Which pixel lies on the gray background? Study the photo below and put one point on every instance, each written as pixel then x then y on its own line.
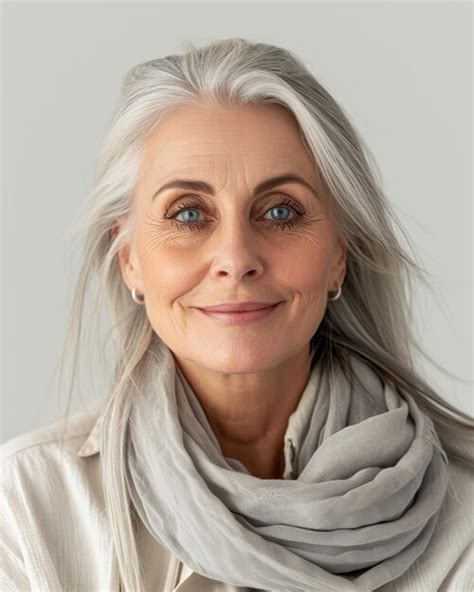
pixel 401 71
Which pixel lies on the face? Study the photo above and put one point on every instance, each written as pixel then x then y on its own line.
pixel 192 248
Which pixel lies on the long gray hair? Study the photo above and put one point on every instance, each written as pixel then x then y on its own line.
pixel 373 318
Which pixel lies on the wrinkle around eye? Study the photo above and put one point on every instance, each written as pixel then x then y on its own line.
pixel 162 233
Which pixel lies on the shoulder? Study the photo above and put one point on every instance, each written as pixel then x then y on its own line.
pixel 446 563
pixel 457 506
pixel 52 503
pixel 451 549
pixel 48 437
pixel 461 473
pixel 43 461
pixel 458 501
pixel 455 512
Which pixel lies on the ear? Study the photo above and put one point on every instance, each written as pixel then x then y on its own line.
pixel 127 260
pixel 339 266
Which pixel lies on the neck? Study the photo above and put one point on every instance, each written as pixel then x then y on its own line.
pixel 249 413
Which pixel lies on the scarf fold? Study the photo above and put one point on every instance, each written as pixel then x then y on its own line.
pixel 371 478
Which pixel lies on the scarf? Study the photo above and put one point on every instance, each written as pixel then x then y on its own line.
pixel 371 477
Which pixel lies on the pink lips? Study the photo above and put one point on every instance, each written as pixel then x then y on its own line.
pixel 238 306
pixel 240 313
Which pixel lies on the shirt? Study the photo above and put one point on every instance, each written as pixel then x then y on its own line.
pixel 55 535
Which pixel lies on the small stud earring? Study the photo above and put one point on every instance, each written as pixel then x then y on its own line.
pixel 139 299
pixel 338 293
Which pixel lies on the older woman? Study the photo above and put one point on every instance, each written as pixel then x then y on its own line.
pixel 265 427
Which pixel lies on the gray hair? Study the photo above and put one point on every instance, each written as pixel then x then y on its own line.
pixel 373 317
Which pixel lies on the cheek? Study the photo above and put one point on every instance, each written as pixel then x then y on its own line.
pixel 305 270
pixel 168 272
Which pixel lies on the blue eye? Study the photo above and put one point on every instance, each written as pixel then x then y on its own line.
pixel 192 221
pixel 184 210
pixel 280 210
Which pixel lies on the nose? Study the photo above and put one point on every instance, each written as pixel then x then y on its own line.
pixel 236 253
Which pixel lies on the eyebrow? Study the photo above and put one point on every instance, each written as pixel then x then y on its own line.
pixel 266 185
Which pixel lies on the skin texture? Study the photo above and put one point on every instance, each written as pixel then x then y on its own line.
pixel 248 378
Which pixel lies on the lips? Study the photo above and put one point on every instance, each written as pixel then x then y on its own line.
pixel 240 317
pixel 238 306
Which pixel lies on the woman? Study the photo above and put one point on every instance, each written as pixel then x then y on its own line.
pixel 265 427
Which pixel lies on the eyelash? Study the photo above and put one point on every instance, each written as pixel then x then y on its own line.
pixel 198 225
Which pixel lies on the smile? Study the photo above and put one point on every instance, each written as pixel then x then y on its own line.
pixel 240 318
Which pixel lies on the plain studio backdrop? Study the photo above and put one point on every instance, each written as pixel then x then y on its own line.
pixel 400 70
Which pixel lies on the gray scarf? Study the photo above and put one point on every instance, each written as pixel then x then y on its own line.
pixel 371 477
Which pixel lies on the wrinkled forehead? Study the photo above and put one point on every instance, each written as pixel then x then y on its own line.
pixel 253 136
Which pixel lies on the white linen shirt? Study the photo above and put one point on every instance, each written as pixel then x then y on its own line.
pixel 55 535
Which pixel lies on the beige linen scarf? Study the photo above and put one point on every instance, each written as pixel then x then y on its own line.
pixel 371 477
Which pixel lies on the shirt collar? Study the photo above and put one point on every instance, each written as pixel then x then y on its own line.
pixel 298 424
pixel 91 445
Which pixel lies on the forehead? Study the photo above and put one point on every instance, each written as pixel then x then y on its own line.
pixel 200 132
